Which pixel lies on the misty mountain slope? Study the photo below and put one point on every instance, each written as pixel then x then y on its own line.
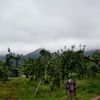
pixel 90 52
pixel 35 54
pixel 2 57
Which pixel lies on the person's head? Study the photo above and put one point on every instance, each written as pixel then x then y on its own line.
pixel 70 80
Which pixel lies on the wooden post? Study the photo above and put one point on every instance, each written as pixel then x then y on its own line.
pixel 38 86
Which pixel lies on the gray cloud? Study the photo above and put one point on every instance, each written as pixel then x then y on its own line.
pixel 28 25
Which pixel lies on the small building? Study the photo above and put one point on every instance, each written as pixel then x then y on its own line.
pixel 15 72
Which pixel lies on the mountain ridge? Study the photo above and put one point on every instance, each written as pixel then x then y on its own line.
pixel 35 54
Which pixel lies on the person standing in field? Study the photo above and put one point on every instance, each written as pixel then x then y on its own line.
pixel 71 88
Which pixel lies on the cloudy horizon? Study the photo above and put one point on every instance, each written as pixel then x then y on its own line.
pixel 26 25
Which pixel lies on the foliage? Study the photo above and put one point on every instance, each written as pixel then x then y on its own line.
pixel 60 65
pixel 53 68
pixel 6 67
pixel 3 72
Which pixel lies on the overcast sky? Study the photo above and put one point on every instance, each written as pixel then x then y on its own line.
pixel 26 25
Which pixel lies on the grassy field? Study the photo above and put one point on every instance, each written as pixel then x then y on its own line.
pixel 23 89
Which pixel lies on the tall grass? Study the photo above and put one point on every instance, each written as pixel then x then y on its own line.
pixel 23 89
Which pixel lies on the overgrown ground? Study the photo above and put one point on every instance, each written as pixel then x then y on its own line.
pixel 23 89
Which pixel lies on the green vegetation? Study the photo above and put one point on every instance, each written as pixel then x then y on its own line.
pixel 51 70
pixel 22 88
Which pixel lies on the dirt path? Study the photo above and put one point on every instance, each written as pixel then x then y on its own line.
pixel 97 98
